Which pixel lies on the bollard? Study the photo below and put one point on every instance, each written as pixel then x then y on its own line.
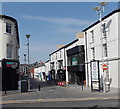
pixel 39 88
pixel 82 87
pixel 5 91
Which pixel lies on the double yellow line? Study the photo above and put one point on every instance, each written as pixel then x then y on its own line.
pixel 55 100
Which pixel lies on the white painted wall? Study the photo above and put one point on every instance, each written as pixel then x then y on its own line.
pixel 39 70
pixel 119 48
pixel 8 39
pixel 47 67
pixel 55 57
pixel 113 45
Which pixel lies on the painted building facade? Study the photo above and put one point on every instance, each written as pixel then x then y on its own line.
pixel 74 59
pixel 58 64
pixel 47 69
pixel 104 37
pixel 60 60
pixel 9 40
pixel 9 52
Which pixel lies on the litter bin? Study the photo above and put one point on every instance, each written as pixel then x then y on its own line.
pixel 23 86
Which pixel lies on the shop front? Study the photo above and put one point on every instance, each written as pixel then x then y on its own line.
pixel 52 74
pixel 76 67
pixel 61 75
pixel 10 74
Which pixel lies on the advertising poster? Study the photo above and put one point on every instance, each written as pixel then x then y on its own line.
pixel 95 79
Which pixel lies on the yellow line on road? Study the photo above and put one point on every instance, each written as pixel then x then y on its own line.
pixel 54 100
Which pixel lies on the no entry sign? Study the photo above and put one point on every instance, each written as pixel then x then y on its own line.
pixel 104 67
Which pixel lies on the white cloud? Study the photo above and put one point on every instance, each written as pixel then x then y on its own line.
pixel 67 29
pixel 63 21
pixel 41 47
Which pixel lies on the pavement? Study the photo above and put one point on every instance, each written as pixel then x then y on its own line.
pixel 50 92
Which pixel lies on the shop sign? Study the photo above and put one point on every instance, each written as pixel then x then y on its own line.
pixel 74 61
pixel 12 64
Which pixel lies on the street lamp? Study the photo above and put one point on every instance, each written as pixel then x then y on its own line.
pixel 100 10
pixel 25 58
pixel 28 36
pixel 25 64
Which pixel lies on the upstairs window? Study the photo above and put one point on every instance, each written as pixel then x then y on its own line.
pixel 9 50
pixel 104 29
pixel 60 54
pixel 8 28
pixel 92 36
pixel 52 66
pixel 93 52
pixel 60 65
pixel 105 50
pixel 56 56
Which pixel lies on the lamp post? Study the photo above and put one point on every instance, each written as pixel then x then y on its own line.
pixel 28 36
pixel 25 64
pixel 25 58
pixel 100 10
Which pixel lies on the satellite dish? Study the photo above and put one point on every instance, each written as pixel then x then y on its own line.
pixel 108 24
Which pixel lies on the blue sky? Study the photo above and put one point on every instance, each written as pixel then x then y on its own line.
pixel 51 24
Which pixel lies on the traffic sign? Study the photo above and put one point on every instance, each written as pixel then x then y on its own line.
pixel 104 67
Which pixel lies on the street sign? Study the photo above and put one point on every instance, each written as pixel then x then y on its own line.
pixel 104 67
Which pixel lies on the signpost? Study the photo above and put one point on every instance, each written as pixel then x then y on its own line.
pixel 95 78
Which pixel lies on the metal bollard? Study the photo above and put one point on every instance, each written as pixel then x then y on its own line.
pixel 5 91
pixel 82 87
pixel 39 87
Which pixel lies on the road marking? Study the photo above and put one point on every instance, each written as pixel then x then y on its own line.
pixel 54 100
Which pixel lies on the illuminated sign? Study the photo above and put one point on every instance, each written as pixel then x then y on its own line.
pixel 11 64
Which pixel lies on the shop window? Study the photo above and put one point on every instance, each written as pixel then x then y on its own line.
pixel 69 62
pixel 74 60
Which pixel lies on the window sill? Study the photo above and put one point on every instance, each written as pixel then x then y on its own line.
pixel 91 42
pixel 8 34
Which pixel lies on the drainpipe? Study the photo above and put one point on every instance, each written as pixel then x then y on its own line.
pixel 65 63
pixel 86 59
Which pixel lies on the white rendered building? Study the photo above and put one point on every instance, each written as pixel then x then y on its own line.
pixel 59 59
pixel 39 73
pixel 109 44
pixel 47 67
pixel 9 40
pixel 57 63
pixel 9 57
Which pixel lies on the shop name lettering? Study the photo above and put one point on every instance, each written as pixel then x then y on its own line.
pixel 11 64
